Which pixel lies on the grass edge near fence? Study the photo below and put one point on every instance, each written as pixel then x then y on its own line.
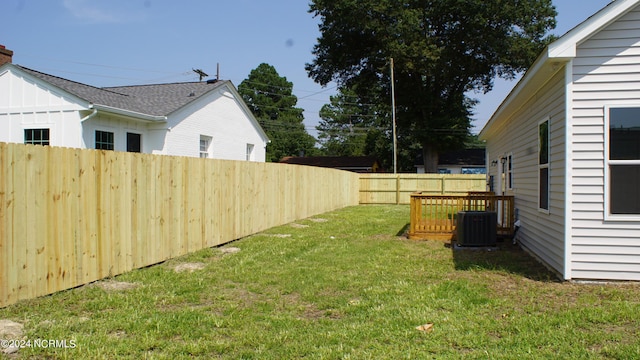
pixel 344 284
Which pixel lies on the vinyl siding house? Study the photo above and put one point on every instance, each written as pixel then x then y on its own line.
pixel 195 119
pixel 566 143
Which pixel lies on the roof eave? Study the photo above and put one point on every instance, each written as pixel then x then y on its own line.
pixel 18 69
pixel 553 58
pixel 528 84
pixel 130 114
pixel 248 111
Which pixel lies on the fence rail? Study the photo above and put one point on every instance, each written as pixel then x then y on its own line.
pixel 70 216
pixel 434 217
pixel 397 188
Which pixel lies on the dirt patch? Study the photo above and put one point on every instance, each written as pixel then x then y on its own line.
pixel 298 226
pixel 112 285
pixel 318 220
pixel 118 334
pixel 281 236
pixel 189 267
pixel 229 250
pixel 10 330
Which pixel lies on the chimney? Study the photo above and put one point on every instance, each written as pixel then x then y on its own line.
pixel 5 55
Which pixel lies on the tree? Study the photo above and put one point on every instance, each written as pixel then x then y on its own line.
pixel 344 124
pixel 270 98
pixel 441 49
pixel 352 126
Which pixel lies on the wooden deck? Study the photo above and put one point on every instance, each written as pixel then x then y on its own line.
pixel 434 217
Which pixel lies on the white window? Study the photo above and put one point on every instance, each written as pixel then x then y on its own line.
pixel 134 142
pixel 622 155
pixel 36 136
pixel 205 146
pixel 250 152
pixel 104 140
pixel 543 165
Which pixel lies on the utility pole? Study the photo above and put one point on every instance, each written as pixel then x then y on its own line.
pixel 393 117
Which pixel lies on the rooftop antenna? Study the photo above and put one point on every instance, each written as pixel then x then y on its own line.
pixel 201 73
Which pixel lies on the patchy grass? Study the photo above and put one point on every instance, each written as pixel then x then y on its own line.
pixel 344 285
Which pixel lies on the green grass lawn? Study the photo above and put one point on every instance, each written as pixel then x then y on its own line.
pixel 342 285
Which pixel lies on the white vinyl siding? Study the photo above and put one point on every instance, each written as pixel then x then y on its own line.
pixel 541 233
pixel 605 73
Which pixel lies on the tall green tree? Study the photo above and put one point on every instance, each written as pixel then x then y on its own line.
pixel 270 98
pixel 442 50
pixel 353 126
pixel 345 121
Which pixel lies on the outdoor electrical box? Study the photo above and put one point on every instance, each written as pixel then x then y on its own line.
pixel 477 228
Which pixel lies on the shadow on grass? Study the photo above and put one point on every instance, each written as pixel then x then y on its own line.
pixel 505 257
pixel 404 231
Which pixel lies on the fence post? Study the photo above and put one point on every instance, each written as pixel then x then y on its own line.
pixel 397 189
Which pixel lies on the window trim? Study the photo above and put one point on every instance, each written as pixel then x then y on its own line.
pixel 509 172
pixel 608 163
pixel 24 135
pixel 250 152
pixel 127 147
pixel 95 140
pixel 207 151
pixel 544 166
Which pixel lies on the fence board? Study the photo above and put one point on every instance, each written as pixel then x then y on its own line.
pixel 397 188
pixel 71 216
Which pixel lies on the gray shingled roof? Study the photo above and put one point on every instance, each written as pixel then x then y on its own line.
pixel 156 100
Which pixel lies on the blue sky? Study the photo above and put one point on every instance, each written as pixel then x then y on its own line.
pixel 126 42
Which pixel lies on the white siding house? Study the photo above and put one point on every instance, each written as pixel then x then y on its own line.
pixel 196 119
pixel 566 143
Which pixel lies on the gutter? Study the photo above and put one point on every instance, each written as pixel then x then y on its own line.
pixel 134 114
pixel 95 111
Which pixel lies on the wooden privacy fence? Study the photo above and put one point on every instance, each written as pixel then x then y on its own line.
pixel 397 188
pixel 70 216
pixel 434 217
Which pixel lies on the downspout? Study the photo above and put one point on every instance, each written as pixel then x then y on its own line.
pixel 568 194
pixel 93 113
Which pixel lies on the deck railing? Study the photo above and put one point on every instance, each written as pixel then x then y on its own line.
pixel 434 217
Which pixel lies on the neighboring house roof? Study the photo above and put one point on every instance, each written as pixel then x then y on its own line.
pixel 552 59
pixel 473 157
pixel 145 102
pixel 154 100
pixel 353 163
pixel 465 157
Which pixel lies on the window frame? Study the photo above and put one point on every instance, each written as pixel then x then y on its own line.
pixel 37 142
pixel 102 143
pixel 206 153
pixel 130 143
pixel 250 151
pixel 544 166
pixel 509 172
pixel 608 163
